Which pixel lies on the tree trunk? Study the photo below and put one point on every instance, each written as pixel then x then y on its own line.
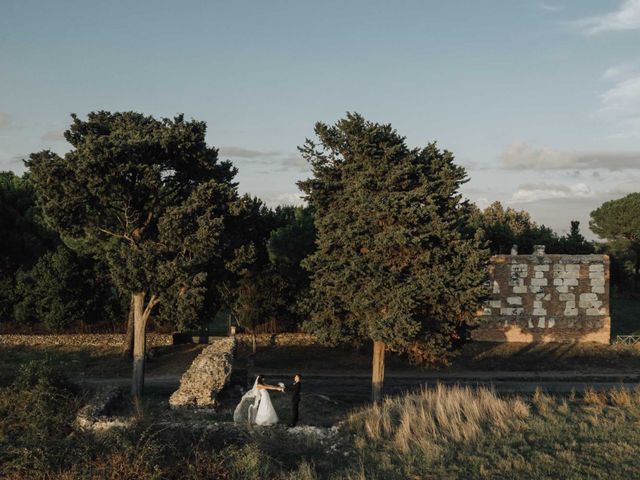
pixel 140 317
pixel 128 338
pixel 254 342
pixel 377 377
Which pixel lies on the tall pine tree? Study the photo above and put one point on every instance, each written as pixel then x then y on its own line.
pixel 397 263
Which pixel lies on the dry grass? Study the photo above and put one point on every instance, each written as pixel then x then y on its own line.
pixel 595 398
pixel 439 415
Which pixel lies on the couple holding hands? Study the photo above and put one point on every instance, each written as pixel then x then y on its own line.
pixel 256 408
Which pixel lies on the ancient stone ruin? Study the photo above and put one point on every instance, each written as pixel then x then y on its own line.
pixel 206 377
pixel 547 298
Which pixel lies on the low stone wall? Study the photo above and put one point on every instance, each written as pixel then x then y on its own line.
pixel 206 377
pixel 82 339
pixel 281 339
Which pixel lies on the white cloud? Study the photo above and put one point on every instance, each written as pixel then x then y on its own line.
pixel 620 103
pixel 277 198
pixel 5 120
pixel 550 8
pixel 543 191
pixel 626 17
pixel 53 136
pixel 240 152
pixel 523 156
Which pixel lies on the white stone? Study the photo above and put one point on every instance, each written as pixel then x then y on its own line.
pixel 562 289
pixel 596 275
pixel 495 303
pixel 486 311
pixel 541 268
pixel 572 282
pixel 534 289
pixel 592 311
pixel 571 312
pixel 597 282
pixel 539 275
pixel 598 267
pixel 558 281
pixel 519 289
pixel 567 296
pixel 597 289
pixel 570 275
pixel 588 296
pixel 496 287
pixel 541 322
pixel 551 322
pixel 539 311
pixel 537 304
pixel 514 300
pixel 539 282
pixel 572 267
pixel 520 268
pixel 530 324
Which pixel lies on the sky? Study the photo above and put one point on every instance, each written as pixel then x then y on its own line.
pixel 540 101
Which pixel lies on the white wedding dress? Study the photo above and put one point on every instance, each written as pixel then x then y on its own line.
pixel 255 407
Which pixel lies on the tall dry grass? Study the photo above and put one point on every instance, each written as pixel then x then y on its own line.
pixel 443 414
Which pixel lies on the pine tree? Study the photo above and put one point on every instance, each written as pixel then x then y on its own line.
pixel 151 198
pixel 396 262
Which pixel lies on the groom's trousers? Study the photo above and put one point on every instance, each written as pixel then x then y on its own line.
pixel 295 403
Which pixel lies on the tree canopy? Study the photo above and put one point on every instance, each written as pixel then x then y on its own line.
pixel 396 261
pixel 149 196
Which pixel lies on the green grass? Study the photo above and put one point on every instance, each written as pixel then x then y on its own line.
pixel 95 362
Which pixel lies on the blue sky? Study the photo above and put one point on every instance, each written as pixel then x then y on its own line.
pixel 539 100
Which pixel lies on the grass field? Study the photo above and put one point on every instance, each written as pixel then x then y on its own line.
pixel 441 433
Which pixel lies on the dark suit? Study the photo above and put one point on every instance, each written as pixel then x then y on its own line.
pixel 295 402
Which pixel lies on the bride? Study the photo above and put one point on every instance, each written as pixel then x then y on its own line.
pixel 255 406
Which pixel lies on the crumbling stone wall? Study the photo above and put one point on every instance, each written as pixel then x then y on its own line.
pixel 206 377
pixel 547 298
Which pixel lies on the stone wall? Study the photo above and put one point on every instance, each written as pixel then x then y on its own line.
pixel 547 298
pixel 206 377
pixel 81 339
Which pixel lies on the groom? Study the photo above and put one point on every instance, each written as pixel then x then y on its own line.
pixel 295 398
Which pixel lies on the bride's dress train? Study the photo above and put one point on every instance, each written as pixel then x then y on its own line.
pixel 255 407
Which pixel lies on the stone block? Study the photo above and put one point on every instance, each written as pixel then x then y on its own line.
pixel 596 275
pixel 597 290
pixel 534 289
pixel 588 296
pixel 597 267
pixel 541 322
pixel 496 287
pixel 571 312
pixel 537 304
pixel 570 304
pixel 558 281
pixel 495 303
pixel 567 296
pixel 562 289
pixel 519 289
pixel 539 282
pixel 539 311
pixel 551 322
pixel 539 275
pixel 597 282
pixel 530 323
pixel 514 300
pixel 511 311
pixel 593 311
pixel 572 267
pixel 541 268
pixel 572 282
pixel 569 275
